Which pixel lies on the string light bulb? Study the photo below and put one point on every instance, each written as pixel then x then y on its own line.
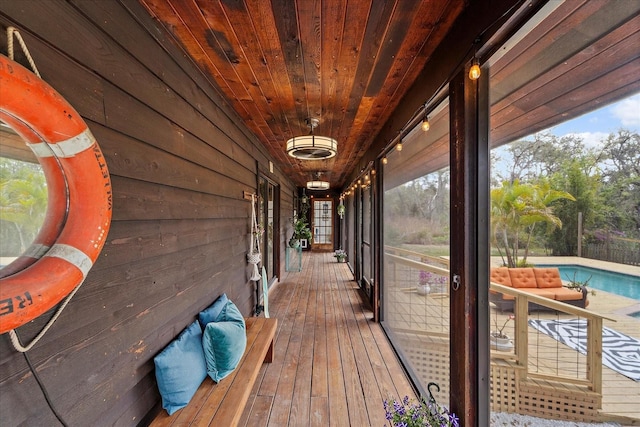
pixel 384 160
pixel 399 146
pixel 425 123
pixel 474 71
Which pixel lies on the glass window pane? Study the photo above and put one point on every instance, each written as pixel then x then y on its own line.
pixel 23 196
pixel 415 291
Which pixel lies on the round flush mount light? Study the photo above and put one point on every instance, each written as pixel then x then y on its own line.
pixel 312 147
pixel 317 185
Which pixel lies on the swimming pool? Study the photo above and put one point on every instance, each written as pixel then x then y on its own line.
pixel 609 281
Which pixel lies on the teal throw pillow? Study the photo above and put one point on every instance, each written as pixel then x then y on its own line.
pixel 230 313
pixel 181 368
pixel 224 344
pixel 212 313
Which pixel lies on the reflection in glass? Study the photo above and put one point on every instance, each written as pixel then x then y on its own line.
pixel 23 196
pixel 415 291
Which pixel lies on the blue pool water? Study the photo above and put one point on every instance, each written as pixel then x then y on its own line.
pixel 616 283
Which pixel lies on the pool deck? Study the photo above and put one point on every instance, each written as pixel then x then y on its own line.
pixel 625 305
pixel 621 395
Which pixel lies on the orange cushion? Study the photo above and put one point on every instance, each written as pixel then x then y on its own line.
pixel 548 277
pixel 522 277
pixel 565 294
pixel 547 293
pixel 500 275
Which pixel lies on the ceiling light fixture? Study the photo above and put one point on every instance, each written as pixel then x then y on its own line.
pixel 312 147
pixel 317 185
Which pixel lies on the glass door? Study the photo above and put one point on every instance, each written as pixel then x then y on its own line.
pixel 322 224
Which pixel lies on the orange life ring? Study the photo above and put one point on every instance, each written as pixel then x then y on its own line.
pixel 79 207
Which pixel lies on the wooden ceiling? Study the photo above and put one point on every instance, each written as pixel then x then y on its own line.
pixel 279 62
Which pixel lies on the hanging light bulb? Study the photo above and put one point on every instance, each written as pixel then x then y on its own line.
pixel 384 160
pixel 474 71
pixel 399 146
pixel 425 123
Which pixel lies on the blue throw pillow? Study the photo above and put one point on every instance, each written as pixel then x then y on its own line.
pixel 224 344
pixel 181 368
pixel 212 313
pixel 230 313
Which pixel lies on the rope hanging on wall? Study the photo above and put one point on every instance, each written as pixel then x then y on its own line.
pixel 254 256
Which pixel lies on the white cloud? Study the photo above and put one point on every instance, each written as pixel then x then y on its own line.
pixel 590 139
pixel 628 111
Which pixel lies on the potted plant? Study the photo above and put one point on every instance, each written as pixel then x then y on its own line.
pixel 499 340
pixel 340 255
pixel 579 285
pixel 341 210
pixel 429 282
pixel 424 413
pixel 300 231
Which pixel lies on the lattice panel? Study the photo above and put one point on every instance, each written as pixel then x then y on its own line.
pixel 555 403
pixel 430 361
pixel 504 387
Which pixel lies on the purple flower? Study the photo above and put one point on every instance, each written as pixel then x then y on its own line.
pixel 454 420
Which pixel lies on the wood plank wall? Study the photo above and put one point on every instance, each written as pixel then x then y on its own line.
pixel 179 162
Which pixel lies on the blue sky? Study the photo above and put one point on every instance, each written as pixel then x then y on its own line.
pixel 593 127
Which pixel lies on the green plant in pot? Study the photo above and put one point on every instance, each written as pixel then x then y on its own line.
pixel 579 285
pixel 300 231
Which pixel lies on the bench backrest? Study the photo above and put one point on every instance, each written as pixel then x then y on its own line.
pixel 526 277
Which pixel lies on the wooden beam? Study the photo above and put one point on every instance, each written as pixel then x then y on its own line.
pixel 469 352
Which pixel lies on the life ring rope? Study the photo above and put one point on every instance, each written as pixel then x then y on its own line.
pixel 13 336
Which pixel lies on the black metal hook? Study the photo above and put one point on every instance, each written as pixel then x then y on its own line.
pixel 431 398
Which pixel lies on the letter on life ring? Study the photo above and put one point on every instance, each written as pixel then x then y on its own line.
pixel 79 206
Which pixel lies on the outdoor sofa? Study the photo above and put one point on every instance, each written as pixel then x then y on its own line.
pixel 544 282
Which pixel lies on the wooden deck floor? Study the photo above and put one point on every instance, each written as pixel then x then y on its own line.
pixel 333 365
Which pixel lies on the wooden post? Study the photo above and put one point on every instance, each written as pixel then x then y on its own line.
pixel 580 234
pixel 594 353
pixel 521 308
pixel 469 310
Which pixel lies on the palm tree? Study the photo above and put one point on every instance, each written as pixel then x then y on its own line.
pixel 515 210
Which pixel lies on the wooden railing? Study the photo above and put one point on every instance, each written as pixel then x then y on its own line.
pixel 391 250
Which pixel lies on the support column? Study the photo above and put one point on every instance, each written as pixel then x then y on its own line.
pixel 469 157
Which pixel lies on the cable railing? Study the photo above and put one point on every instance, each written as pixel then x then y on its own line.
pixel 546 365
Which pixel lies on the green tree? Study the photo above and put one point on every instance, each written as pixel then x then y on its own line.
pixel 577 178
pixel 621 178
pixel 23 199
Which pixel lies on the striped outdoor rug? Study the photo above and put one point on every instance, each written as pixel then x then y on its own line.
pixel 620 352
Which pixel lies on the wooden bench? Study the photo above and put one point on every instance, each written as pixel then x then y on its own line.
pixel 222 404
